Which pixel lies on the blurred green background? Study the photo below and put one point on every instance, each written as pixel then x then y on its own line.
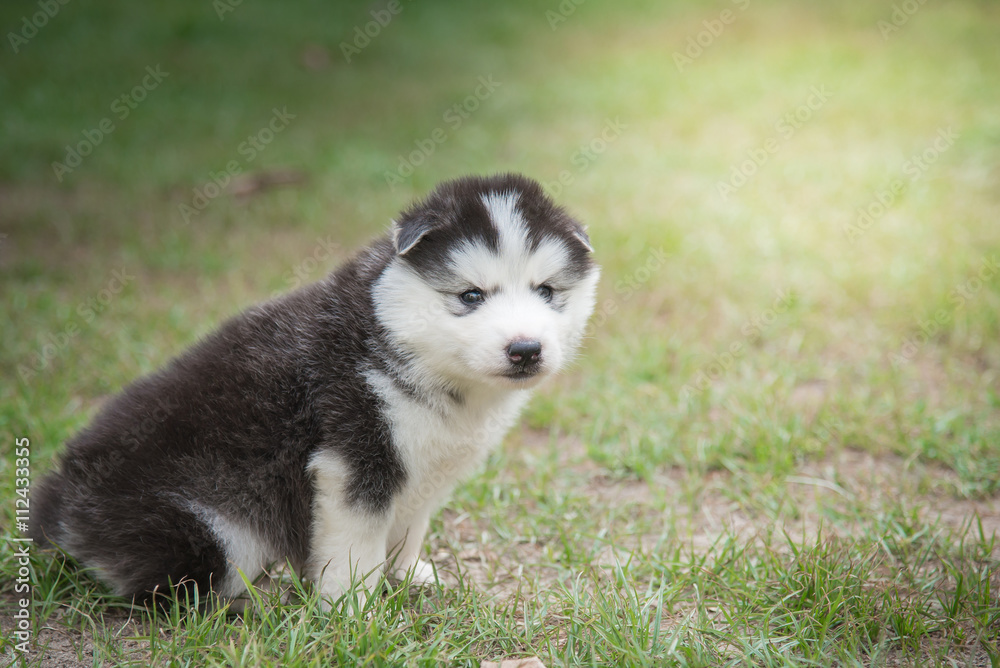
pixel 748 143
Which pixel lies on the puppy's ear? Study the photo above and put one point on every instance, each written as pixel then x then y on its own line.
pixel 580 232
pixel 408 234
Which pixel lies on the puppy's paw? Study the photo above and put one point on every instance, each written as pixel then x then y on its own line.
pixel 422 573
pixel 352 604
pixel 348 600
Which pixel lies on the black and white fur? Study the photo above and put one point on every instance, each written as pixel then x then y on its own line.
pixel 324 427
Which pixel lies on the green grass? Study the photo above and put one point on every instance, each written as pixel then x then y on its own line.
pixel 781 445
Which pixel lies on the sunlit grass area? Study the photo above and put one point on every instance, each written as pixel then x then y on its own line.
pixel 781 443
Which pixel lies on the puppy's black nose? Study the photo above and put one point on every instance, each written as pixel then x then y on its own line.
pixel 524 353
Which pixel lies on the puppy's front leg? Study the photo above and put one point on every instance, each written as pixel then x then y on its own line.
pixel 405 541
pixel 409 526
pixel 348 546
pixel 348 541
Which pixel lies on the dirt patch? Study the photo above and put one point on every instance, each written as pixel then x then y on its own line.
pixel 852 485
pixel 877 482
pixel 59 644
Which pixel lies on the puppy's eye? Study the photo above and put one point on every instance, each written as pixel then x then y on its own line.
pixel 471 297
pixel 544 291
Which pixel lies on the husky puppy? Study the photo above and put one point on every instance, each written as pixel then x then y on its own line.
pixel 324 427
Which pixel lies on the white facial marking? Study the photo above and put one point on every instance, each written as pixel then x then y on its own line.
pixel 510 226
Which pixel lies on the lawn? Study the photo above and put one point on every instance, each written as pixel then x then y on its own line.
pixel 781 443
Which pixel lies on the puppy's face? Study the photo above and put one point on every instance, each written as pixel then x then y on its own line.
pixel 492 283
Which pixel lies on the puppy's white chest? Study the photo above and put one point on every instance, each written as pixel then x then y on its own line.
pixel 446 437
pixel 457 439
